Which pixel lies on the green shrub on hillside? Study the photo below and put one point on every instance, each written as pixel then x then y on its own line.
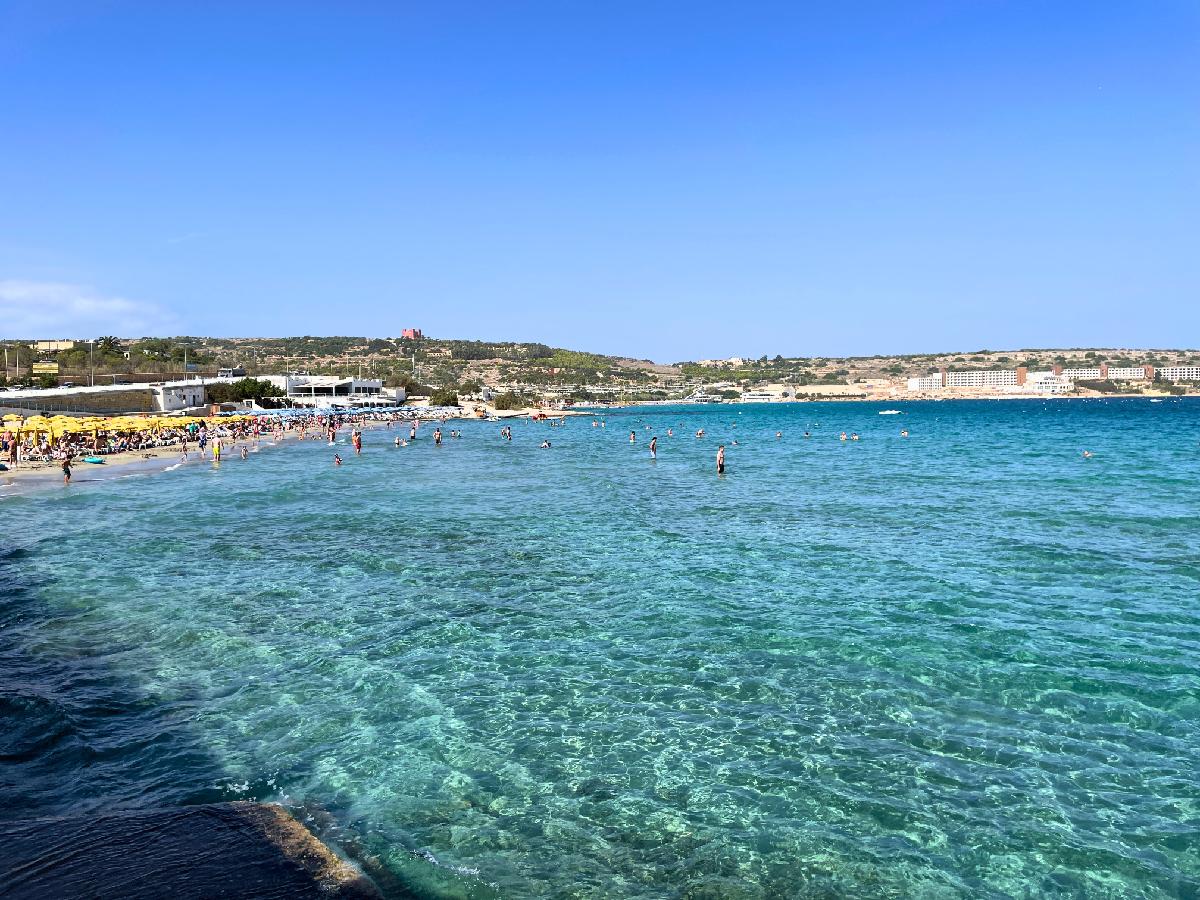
pixel 510 400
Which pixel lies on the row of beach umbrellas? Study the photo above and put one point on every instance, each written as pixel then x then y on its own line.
pixel 57 426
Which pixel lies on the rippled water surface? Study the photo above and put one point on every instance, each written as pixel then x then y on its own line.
pixel 961 664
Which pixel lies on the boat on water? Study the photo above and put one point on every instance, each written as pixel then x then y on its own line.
pixel 889 412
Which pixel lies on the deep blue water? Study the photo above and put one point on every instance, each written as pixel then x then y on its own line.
pixel 958 664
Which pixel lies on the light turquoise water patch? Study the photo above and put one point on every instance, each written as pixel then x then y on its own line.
pixel 961 664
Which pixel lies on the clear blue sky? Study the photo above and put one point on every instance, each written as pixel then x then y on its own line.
pixel 661 180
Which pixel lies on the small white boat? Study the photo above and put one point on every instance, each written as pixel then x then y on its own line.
pixel 889 412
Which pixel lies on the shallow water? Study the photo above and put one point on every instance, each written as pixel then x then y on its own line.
pixel 961 664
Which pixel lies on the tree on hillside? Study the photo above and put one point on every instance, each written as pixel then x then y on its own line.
pixel 246 389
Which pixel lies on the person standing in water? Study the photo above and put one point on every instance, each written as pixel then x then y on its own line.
pixel 721 460
pixel 437 437
pixel 66 468
pixel 337 460
pixel 633 437
pixel 217 449
pixel 356 439
pixel 654 447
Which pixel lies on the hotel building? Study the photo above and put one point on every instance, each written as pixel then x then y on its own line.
pixel 1180 373
pixel 984 378
pixel 1059 380
pixel 1103 373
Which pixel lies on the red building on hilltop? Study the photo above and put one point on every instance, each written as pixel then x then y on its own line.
pixel 411 334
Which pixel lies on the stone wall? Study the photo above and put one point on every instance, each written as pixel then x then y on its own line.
pixel 134 400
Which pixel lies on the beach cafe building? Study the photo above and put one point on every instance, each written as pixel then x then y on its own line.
pixel 334 390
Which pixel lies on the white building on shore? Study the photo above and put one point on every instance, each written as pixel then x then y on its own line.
pixel 926 382
pixel 971 378
pixel 984 378
pixel 1059 380
pixel 1131 373
pixel 1103 372
pixel 1180 373
pixel 1049 383
pixel 335 390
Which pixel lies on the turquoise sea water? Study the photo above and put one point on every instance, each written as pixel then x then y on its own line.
pixel 961 664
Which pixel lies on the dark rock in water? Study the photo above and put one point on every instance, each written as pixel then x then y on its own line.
pixel 217 850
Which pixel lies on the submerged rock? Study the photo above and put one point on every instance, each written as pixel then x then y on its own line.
pixel 215 850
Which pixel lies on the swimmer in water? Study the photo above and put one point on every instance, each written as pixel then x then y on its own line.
pixel 903 432
pixel 337 460
pixel 843 437
pixel 670 432
pixel 633 437
pixel 654 447
pixel 397 441
pixel 778 435
pixel 245 454
pixel 545 445
pixel 1087 454
pixel 807 434
pixel 854 436
pixel 700 433
pixel 437 437
pixel 721 460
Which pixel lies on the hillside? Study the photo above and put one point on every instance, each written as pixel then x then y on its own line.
pixel 533 370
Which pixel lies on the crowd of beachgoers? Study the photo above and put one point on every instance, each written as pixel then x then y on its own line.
pixel 23 447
